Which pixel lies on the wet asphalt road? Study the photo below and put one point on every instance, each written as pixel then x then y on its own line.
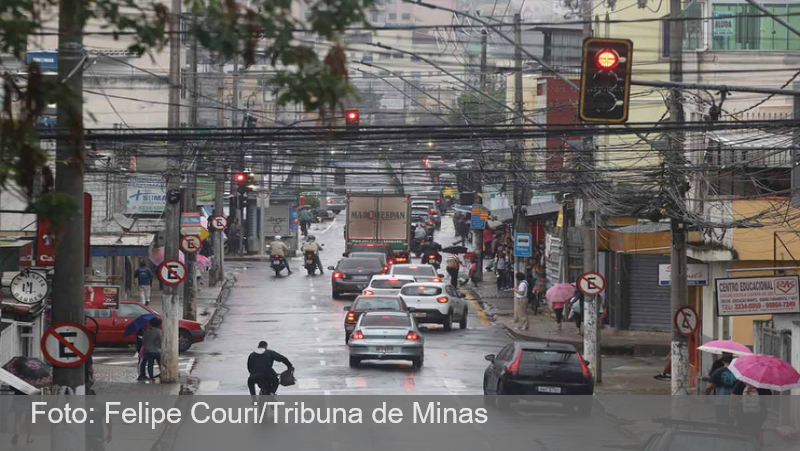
pixel 298 317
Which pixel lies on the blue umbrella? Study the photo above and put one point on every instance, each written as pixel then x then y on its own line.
pixel 138 323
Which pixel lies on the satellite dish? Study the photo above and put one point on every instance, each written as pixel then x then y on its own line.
pixel 125 222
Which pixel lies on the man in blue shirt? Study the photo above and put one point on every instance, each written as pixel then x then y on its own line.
pixel 144 276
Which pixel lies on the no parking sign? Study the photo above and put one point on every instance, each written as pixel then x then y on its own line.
pixel 67 344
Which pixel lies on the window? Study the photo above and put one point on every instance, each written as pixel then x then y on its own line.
pixel 505 353
pixel 398 56
pixel 693 27
pixel 308 15
pixel 367 57
pixel 390 283
pixel 131 311
pixel 373 16
pixel 415 58
pixel 384 56
pixel 392 16
pixel 375 303
pixel 742 27
pixel 420 290
pixel 386 321
pixel 665 37
pixel 360 263
pixel 98 313
pixel 406 16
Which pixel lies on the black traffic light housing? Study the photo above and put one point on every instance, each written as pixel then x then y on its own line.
pixel 241 182
pixel 605 80
pixel 351 118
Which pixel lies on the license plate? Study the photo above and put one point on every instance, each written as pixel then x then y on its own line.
pixel 420 314
pixel 555 390
pixel 308 262
pixel 384 348
pixel 360 277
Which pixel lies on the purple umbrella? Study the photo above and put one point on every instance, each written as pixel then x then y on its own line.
pixel 560 293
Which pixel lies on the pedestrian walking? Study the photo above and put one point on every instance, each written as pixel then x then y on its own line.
pixel 749 406
pixel 21 407
pixel 151 345
pixel 521 302
pixel 501 265
pixel 234 236
pixel 666 373
pixel 453 265
pixel 575 308
pixel 96 439
pixel 558 310
pixel 144 278
pixel 722 382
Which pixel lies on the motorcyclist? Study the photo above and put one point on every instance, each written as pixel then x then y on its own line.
pixel 430 247
pixel 259 365
pixel 305 218
pixel 312 246
pixel 419 232
pixel 280 249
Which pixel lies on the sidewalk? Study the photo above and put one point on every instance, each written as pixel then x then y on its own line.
pixel 500 307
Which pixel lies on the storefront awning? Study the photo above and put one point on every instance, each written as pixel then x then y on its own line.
pixel 11 252
pixel 541 209
pixel 127 245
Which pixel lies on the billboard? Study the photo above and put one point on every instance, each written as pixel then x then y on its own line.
pixel 101 297
pixel 146 195
pixel 757 295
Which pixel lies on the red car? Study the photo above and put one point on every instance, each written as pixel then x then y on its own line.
pixel 112 322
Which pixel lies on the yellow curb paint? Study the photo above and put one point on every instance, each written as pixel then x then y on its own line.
pixel 481 314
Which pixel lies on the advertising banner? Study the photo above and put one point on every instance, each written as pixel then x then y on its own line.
pixel 146 195
pixel 757 295
pixel 101 297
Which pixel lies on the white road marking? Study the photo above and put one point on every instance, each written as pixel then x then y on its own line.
pixel 322 362
pixel 308 383
pixel 313 307
pixel 208 386
pixel 329 226
pixel 355 382
pixel 321 351
pixel 316 320
pixel 313 298
pixel 454 383
pixel 327 392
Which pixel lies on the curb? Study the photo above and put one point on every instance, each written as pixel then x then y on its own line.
pixel 607 349
pixel 224 292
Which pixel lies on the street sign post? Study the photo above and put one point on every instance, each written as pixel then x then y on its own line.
pixel 523 245
pixel 191 244
pixel 67 344
pixel 190 223
pixel 218 223
pixel 591 283
pixel 204 234
pixel 686 320
pixel 172 272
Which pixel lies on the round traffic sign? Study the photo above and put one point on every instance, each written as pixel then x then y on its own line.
pixel 686 320
pixel 172 272
pixel 29 287
pixel 67 344
pixel 218 222
pixel 191 244
pixel 591 283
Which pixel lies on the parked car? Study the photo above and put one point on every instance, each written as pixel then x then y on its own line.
pixel 352 274
pixel 438 303
pixel 364 304
pixel 387 285
pixel 373 247
pixel 422 273
pixel 386 336
pixel 109 325
pixel 539 368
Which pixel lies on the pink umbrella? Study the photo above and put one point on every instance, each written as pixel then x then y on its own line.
pixel 560 293
pixel 725 346
pixel 765 371
pixel 157 255
pixel 203 261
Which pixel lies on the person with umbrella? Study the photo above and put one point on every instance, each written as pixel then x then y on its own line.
pixel 722 381
pixel 151 346
pixel 558 295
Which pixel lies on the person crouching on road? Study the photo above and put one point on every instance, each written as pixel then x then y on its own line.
pixel 259 365
pixel 280 249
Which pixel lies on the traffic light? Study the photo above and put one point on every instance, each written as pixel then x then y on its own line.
pixel 351 118
pixel 251 121
pixel 605 80
pixel 241 182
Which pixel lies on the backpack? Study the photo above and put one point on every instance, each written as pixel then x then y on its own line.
pixel 452 263
pixel 751 401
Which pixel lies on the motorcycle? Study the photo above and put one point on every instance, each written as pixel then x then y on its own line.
pixel 416 246
pixel 277 264
pixel 432 258
pixel 310 262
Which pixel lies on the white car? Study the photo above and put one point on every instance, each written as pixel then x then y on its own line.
pixel 387 285
pixel 422 273
pixel 435 302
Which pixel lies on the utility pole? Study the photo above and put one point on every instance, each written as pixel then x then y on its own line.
pixel 678 286
pixel 591 332
pixel 68 280
pixel 240 199
pixel 478 237
pixel 169 342
pixel 218 265
pixel 518 156
pixel 190 199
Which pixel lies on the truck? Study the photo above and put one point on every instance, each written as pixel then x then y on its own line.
pixel 379 218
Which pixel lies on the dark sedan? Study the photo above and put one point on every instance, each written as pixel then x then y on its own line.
pixel 539 368
pixel 352 274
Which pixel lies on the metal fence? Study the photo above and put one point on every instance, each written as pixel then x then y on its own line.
pixel 770 341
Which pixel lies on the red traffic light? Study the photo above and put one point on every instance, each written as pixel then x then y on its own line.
pixel 606 59
pixel 240 177
pixel 351 117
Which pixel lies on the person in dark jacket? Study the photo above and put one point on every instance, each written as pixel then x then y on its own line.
pixel 259 365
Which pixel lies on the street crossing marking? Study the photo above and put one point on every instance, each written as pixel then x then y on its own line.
pixel 321 351
pixel 454 383
pixel 307 384
pixel 322 362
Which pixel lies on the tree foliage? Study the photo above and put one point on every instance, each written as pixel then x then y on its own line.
pixel 469 108
pixel 265 28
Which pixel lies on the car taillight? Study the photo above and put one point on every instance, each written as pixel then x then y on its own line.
pixel 442 299
pixel 357 335
pixel 430 223
pixel 368 292
pixel 276 256
pixel 385 268
pixel 587 373
pixel 330 201
pixel 514 366
pixel 438 201
pixel 338 275
pixel 436 212
pixel 351 318
pixel 436 280
pixel 391 261
pixel 412 335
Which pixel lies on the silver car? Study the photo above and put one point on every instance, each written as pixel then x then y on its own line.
pixel 386 336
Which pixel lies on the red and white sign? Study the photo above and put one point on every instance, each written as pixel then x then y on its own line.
pixel 45 245
pixel 26 255
pixel 97 297
pixel 686 321
pixel 742 296
pixel 67 344
pixel 218 222
pixel 191 244
pixel 591 283
pixel 172 272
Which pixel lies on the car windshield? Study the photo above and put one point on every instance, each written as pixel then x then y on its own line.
pixel 544 357
pixel 697 442
pixel 413 271
pixel 390 283
pixel 419 211
pixel 131 311
pixel 420 290
pixel 376 255
pixel 385 321
pixel 360 263
pixel 376 303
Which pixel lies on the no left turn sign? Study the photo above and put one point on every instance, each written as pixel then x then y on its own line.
pixel 191 244
pixel 686 320
pixel 172 272
pixel 591 283
pixel 67 344
pixel 218 222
